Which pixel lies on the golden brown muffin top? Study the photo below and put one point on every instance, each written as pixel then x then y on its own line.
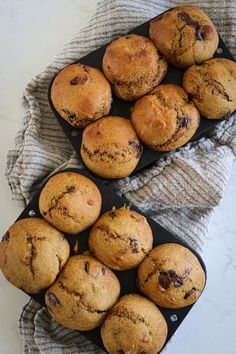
pixel 212 87
pixel 171 276
pixel 185 35
pixel 134 325
pixel 121 238
pixel 81 94
pixel 32 253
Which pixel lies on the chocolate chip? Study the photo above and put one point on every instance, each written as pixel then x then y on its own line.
pixel 74 81
pixel 90 202
pixel 134 246
pixel 140 151
pixel 190 292
pixel 187 19
pixel 204 32
pixel 112 213
pixel 199 31
pixel 177 281
pixel 6 236
pixel 164 280
pixel 143 353
pixel 86 267
pixel 184 122
pixel 120 351
pixel 71 116
pixel 53 299
pixel 137 147
pixel 134 144
pixel 103 271
pixel 207 32
pixel 70 189
pixel 78 80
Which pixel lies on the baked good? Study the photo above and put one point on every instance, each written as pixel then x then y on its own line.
pixel 133 66
pixel 32 253
pixel 70 202
pixel 185 35
pixel 134 325
pixel 121 238
pixel 165 119
pixel 110 147
pixel 212 87
pixel 81 94
pixel 83 293
pixel 171 276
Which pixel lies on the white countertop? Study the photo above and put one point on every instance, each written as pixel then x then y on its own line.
pixel 31 32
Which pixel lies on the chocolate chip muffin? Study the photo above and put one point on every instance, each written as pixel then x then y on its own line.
pixel 70 202
pixel 133 66
pixel 81 94
pixel 32 253
pixel 171 276
pixel 110 147
pixel 83 293
pixel 165 119
pixel 212 87
pixel 121 238
pixel 134 325
pixel 184 35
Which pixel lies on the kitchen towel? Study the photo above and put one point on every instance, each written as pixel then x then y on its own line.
pixel 180 191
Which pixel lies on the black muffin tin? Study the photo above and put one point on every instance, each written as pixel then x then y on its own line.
pixel 173 317
pixel 121 108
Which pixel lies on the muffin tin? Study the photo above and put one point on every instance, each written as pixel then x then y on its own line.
pixel 127 278
pixel 121 108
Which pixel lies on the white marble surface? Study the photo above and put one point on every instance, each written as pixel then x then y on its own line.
pixel 31 32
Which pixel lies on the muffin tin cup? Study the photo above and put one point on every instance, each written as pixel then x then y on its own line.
pixel 122 108
pixel 127 279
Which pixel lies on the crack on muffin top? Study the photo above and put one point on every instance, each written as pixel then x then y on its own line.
pixel 123 312
pixel 79 80
pixel 53 299
pixel 32 255
pixel 121 154
pixel 53 204
pixel 80 296
pixel 127 239
pixel 196 25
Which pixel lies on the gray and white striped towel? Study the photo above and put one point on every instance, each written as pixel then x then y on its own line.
pixel 179 191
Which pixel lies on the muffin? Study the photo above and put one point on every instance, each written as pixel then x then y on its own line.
pixel 83 293
pixel 165 119
pixel 110 147
pixel 32 253
pixel 212 87
pixel 134 325
pixel 121 238
pixel 184 35
pixel 81 94
pixel 133 66
pixel 171 276
pixel 70 202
